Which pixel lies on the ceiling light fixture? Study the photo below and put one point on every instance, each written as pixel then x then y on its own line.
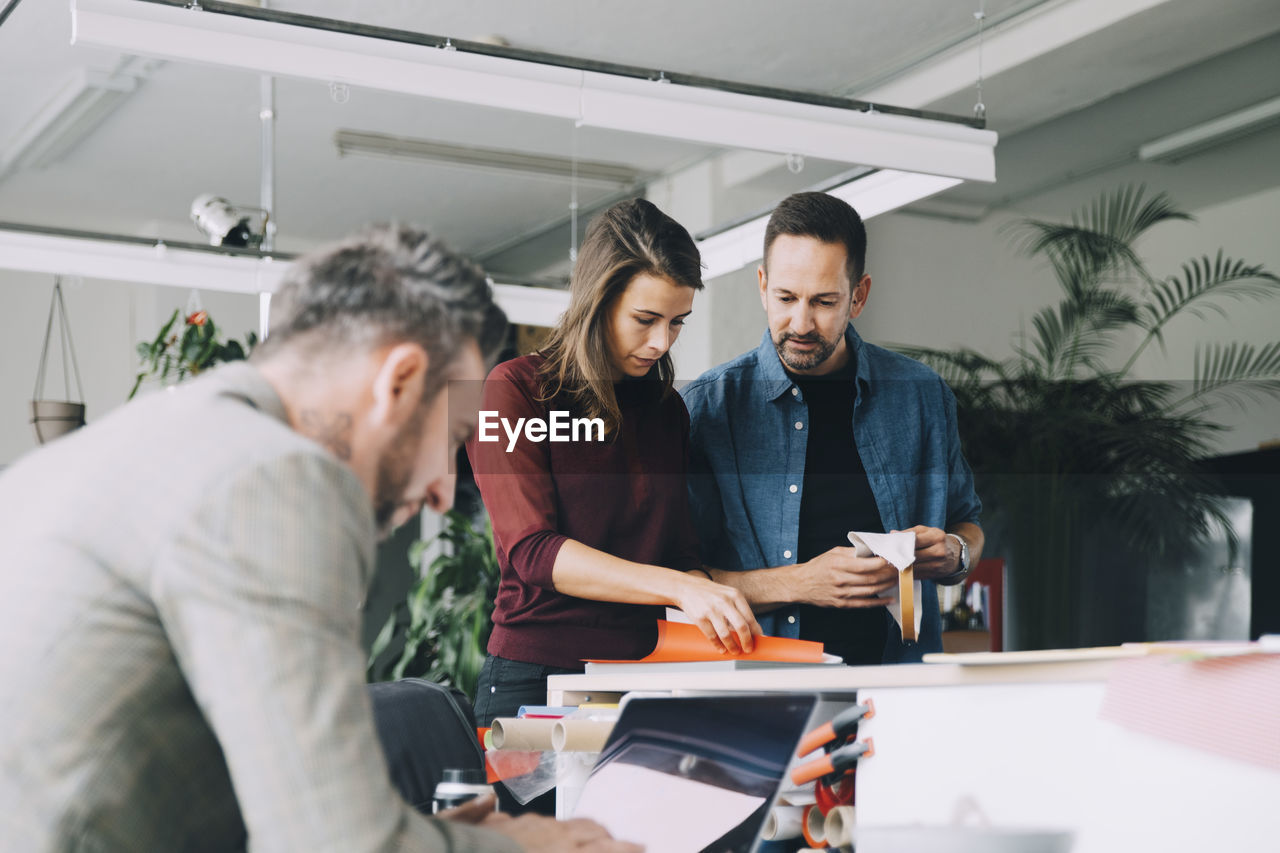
pixel 147 261
pixel 288 45
pixel 1210 134
pixel 871 194
pixel 490 159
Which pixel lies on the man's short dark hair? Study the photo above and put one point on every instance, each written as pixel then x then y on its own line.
pixel 390 284
pixel 823 217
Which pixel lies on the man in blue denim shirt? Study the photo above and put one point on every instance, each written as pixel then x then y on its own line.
pixel 816 433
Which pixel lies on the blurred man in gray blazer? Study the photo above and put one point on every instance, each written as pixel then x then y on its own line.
pixel 181 583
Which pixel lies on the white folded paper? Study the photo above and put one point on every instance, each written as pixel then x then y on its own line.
pixel 900 550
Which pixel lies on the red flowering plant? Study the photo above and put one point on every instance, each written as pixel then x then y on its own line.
pixel 179 352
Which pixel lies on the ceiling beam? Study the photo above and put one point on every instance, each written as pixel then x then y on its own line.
pixel 1005 46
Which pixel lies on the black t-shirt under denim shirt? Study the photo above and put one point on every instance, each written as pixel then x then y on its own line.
pixel 837 498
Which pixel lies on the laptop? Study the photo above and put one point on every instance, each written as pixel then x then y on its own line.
pixel 697 774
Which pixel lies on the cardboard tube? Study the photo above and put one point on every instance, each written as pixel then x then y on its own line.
pixel 580 735
pixel 783 823
pixel 532 735
pixel 906 595
pixel 814 828
pixel 839 826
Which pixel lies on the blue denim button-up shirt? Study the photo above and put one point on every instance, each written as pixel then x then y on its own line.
pixel 748 458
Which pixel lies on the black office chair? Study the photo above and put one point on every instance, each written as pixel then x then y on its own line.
pixel 425 729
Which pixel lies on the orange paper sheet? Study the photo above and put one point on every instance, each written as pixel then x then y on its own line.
pixel 679 642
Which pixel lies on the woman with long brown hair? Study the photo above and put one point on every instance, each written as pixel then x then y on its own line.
pixel 593 534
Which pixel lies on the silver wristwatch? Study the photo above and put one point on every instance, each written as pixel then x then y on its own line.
pixel 964 554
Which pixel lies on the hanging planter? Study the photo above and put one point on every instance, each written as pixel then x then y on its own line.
pixel 54 418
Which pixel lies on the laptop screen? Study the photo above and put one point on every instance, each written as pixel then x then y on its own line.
pixel 695 775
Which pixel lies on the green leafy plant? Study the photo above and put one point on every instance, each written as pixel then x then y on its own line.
pixel 443 626
pixel 176 354
pixel 1070 450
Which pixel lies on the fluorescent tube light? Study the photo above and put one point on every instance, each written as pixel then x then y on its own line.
pixel 103 258
pixel 1210 134
pixel 66 119
pixel 870 195
pixel 888 190
pixel 489 159
pixel 608 101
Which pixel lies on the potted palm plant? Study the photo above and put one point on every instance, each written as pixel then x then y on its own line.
pixel 1069 448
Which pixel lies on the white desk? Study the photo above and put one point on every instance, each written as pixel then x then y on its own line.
pixel 1024 742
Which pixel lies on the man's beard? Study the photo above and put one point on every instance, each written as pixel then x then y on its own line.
pixel 804 360
pixel 395 468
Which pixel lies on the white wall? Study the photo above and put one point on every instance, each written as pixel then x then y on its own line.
pixel 943 283
pixel 735 302
pixel 107 320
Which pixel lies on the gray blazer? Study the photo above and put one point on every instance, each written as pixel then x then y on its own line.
pixel 180 595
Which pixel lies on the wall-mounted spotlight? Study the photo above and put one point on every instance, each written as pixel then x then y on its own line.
pixel 227 225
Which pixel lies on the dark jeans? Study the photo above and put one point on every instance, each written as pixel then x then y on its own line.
pixel 504 685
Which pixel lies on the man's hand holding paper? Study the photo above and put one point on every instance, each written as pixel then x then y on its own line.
pixel 844 577
pixel 899 548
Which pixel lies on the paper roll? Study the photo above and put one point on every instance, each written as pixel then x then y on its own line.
pixel 783 823
pixel 528 735
pixel 838 827
pixel 580 735
pixel 907 599
pixel 814 828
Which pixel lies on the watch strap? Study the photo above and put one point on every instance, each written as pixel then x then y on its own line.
pixel 965 561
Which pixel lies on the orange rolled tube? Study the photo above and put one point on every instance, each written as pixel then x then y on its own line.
pixel 811 770
pixel 841 725
pixel 821 736
pixel 833 762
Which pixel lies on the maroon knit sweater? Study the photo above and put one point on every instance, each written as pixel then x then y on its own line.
pixel 625 496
